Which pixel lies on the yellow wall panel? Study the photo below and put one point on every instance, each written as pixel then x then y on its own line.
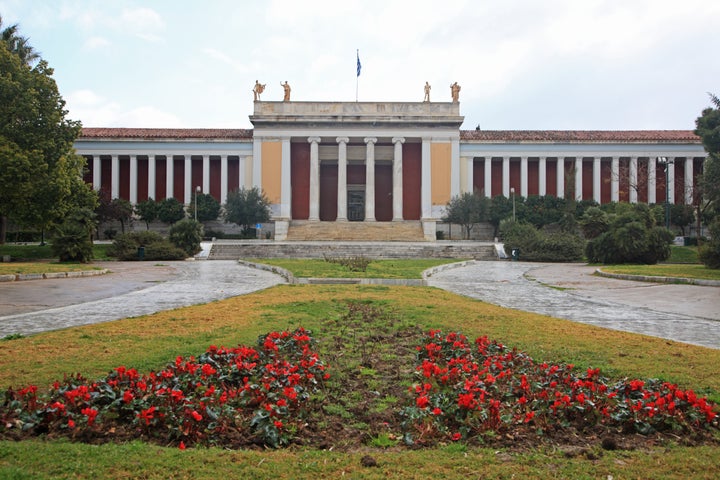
pixel 272 170
pixel 440 161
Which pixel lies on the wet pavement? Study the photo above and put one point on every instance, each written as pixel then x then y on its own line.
pixel 686 313
pixel 131 289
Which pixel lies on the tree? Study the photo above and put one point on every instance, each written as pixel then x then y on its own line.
pixel 187 235
pixel 594 222
pixel 72 241
pixel 707 197
pixel 207 207
pixel 500 209
pixel 681 216
pixel 41 180
pixel 247 207
pixel 170 211
pixel 467 209
pixel 18 44
pixel 147 211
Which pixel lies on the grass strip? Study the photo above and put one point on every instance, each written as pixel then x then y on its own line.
pixel 665 270
pixel 318 268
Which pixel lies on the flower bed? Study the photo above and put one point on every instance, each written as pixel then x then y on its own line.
pixel 258 393
pixel 468 390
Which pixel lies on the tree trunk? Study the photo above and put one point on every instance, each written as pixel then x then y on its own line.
pixel 3 229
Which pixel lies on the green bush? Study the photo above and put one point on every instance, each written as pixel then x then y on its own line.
pixel 631 237
pixel 538 246
pixel 187 235
pixel 709 253
pixel 72 244
pixel 125 247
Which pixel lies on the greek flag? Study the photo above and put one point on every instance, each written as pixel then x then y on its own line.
pixel 359 67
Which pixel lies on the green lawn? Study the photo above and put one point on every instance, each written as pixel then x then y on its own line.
pixel 680 254
pixel 665 270
pixel 317 268
pixel 150 342
pixel 41 267
pixel 37 252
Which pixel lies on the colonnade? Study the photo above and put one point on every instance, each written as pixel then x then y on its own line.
pixel 152 160
pixel 653 165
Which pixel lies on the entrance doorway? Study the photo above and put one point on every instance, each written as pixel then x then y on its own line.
pixel 356 204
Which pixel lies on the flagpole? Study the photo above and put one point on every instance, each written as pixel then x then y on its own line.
pixel 357 76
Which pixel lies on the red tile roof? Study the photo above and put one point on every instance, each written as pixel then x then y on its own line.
pixel 580 136
pixel 489 136
pixel 167 133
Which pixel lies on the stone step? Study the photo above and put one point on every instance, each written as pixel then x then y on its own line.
pixel 405 231
pixel 234 250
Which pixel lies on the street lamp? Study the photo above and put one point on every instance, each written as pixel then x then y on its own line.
pixel 666 163
pixel 197 192
pixel 512 194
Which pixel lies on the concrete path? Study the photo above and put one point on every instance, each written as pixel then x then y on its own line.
pixel 132 289
pixel 685 313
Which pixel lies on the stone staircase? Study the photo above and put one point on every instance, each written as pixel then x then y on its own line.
pixel 234 250
pixel 405 231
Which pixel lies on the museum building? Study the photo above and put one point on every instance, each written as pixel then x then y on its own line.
pixel 374 162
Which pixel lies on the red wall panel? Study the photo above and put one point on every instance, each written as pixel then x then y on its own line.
pixel 412 180
pixel 300 180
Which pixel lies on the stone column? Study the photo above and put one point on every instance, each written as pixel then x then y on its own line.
pixel 652 180
pixel 560 177
pixel 169 176
pixel 206 174
pixel 426 181
pixel 689 180
pixel 370 179
pixel 152 176
pixel 633 180
pixel 223 178
pixel 398 179
pixel 314 179
pixel 97 172
pixel 615 179
pixel 596 180
pixel 342 179
pixel 115 177
pixel 542 176
pixel 188 179
pixel 488 177
pixel 578 178
pixel 133 179
pixel 469 174
pixel 506 176
pixel 524 177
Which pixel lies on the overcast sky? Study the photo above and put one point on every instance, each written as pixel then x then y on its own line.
pixel 522 64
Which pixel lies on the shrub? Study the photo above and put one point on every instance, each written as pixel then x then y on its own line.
pixel 170 211
pixel 125 247
pixel 354 264
pixel 538 246
pixel 709 253
pixel 632 237
pixel 72 244
pixel 187 235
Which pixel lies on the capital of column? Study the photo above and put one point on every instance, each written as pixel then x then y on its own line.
pixel 370 140
pixel 342 139
pixel 395 140
pixel 314 140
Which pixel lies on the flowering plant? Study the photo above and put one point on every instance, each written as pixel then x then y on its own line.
pixel 259 392
pixel 467 389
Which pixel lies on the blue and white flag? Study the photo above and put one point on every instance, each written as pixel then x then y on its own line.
pixel 359 67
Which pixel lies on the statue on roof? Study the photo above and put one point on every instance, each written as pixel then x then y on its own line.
pixel 257 90
pixel 286 89
pixel 427 92
pixel 455 92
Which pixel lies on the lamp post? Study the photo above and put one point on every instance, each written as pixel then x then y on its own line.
pixel 666 163
pixel 512 194
pixel 197 191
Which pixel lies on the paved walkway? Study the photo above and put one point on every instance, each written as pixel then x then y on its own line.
pixel 132 289
pixel 685 313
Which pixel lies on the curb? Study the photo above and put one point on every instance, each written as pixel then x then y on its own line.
pixel 51 275
pixel 286 274
pixel 447 266
pixel 653 279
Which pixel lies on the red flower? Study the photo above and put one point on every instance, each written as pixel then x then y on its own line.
pixel 181 446
pixel 147 414
pixel 196 416
pixel 128 396
pixel 71 423
pixel 90 413
pixel 456 437
pixel 278 424
pixel 436 411
pixel 422 401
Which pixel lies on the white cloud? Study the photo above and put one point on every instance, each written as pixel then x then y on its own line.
pixel 142 19
pixel 94 43
pixel 96 111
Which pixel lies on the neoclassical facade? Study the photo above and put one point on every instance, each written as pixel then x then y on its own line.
pixel 386 162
